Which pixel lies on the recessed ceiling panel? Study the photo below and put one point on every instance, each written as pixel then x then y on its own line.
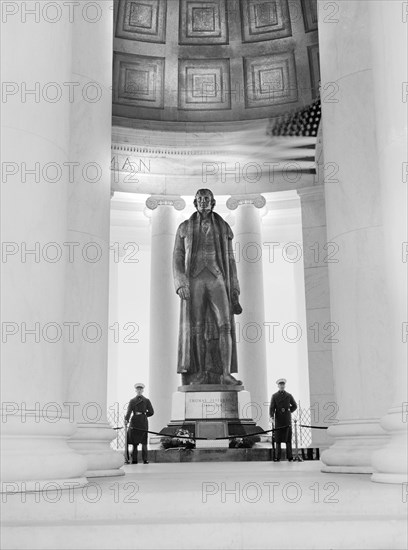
pixel 203 22
pixel 265 20
pixel 309 9
pixel 204 84
pixel 270 80
pixel 314 62
pixel 138 80
pixel 143 20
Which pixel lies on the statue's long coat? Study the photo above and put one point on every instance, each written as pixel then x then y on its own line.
pixel 185 249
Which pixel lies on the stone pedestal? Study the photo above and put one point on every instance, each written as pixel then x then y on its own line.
pixel 212 411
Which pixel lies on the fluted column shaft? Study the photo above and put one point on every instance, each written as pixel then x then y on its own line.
pixel 87 286
pixel 164 308
pixel 322 333
pixel 251 323
pixel 35 149
pixel 389 55
pixel 354 223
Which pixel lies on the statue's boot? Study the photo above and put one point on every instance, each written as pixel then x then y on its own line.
pixel 228 379
pixel 200 378
pixel 200 347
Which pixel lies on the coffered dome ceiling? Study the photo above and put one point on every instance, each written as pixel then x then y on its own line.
pixel 214 60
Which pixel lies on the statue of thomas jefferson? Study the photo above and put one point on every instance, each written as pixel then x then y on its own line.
pixel 205 277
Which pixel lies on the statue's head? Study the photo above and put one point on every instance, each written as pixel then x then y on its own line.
pixel 204 200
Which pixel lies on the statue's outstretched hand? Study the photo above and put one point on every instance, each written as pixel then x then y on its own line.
pixel 236 306
pixel 184 293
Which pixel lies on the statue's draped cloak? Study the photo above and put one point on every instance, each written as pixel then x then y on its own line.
pixel 185 249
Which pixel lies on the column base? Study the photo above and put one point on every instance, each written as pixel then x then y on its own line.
pixel 93 442
pixel 389 478
pixel 347 469
pixel 390 463
pixel 105 473
pixel 42 485
pixel 35 451
pixel 355 443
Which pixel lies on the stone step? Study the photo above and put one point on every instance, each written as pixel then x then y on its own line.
pixel 264 505
pixel 295 533
pixel 255 454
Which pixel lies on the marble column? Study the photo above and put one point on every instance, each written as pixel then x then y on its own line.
pixel 321 331
pixel 113 344
pixel 389 55
pixel 251 329
pixel 164 308
pixel 354 223
pixel 35 423
pixel 87 286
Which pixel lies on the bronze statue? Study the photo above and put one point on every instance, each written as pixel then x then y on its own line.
pixel 205 277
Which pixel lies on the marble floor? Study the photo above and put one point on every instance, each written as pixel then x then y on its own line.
pixel 260 505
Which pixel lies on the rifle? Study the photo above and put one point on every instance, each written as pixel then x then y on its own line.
pixel 126 445
pixel 273 441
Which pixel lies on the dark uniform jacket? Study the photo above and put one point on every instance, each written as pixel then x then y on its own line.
pixel 282 405
pixel 140 408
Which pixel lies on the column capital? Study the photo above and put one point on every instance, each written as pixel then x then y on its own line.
pixel 311 193
pixel 234 201
pixel 176 201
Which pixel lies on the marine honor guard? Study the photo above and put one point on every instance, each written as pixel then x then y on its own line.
pixel 281 409
pixel 139 409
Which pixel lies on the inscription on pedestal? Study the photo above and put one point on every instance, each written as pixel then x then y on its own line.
pixel 211 405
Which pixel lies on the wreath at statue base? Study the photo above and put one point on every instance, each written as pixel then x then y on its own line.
pixel 244 442
pixel 184 439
